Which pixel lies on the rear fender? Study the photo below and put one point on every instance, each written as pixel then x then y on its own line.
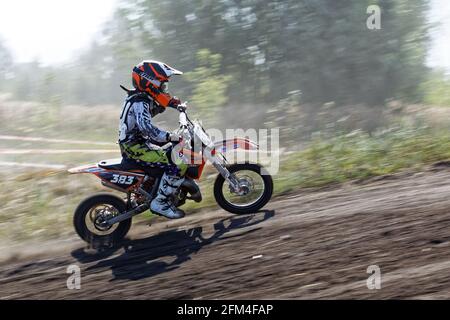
pixel 119 180
pixel 92 168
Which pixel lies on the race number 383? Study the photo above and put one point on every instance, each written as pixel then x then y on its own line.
pixel 121 179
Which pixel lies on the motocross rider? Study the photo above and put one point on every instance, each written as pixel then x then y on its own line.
pixel 141 140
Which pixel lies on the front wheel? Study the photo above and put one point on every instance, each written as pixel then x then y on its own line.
pixel 256 189
pixel 90 214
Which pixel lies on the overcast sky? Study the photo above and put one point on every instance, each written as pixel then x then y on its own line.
pixel 54 31
pixel 440 51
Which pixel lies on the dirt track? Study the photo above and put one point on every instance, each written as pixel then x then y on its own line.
pixel 309 245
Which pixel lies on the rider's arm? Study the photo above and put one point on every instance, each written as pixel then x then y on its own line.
pixel 144 123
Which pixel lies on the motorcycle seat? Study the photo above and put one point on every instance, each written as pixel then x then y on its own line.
pixel 118 164
pixel 125 164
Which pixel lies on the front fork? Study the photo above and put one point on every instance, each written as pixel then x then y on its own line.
pixel 220 164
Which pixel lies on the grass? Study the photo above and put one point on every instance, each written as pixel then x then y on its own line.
pixel 360 156
pixel 40 204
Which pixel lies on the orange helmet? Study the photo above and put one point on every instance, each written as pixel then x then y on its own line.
pixel 152 76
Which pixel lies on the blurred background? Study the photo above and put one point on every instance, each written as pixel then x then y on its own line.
pixel 350 102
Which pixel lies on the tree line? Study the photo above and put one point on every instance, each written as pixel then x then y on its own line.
pixel 245 52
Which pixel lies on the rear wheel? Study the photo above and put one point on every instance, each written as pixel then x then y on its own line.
pixel 256 189
pixel 90 214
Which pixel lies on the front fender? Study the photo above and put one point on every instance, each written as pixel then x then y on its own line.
pixel 235 143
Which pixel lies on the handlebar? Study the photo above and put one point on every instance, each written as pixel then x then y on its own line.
pixel 183 119
pixel 181 107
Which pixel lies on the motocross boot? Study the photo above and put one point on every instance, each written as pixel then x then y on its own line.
pixel 162 204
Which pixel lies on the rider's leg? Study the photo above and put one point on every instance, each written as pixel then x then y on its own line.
pixel 170 181
pixel 162 204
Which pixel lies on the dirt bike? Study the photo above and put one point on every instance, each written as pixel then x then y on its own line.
pixel 105 218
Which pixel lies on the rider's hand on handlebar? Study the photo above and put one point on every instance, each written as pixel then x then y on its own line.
pixel 174 102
